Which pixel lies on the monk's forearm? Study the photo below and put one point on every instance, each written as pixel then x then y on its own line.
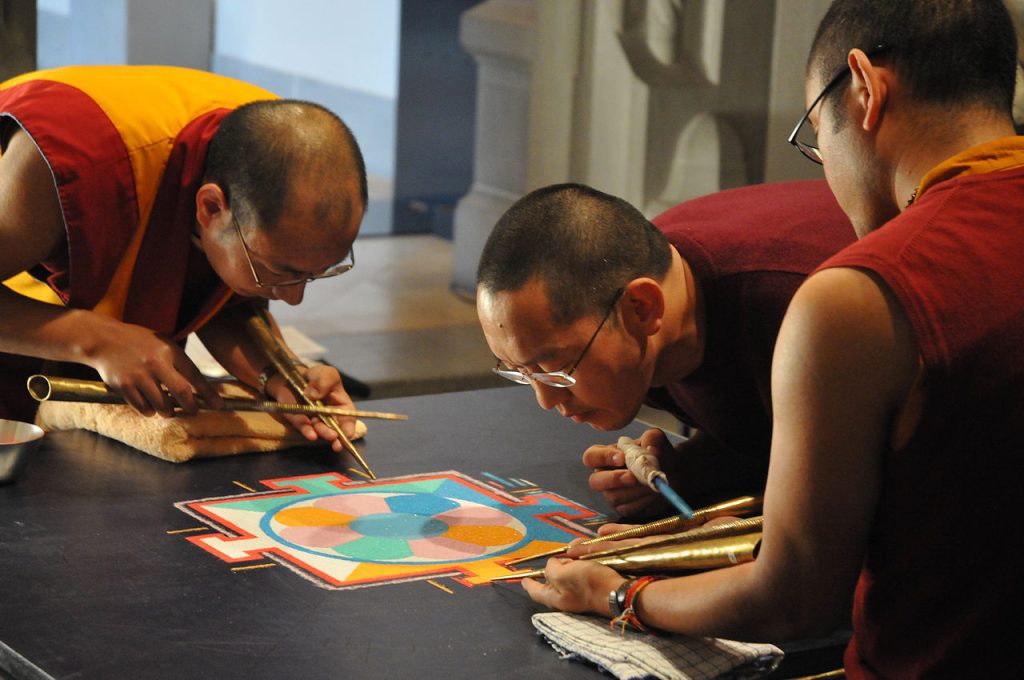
pixel 45 331
pixel 150 371
pixel 737 603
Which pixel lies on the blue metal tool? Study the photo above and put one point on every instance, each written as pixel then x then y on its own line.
pixel 644 466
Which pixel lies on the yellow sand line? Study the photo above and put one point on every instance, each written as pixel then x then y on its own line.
pixel 438 585
pixel 254 566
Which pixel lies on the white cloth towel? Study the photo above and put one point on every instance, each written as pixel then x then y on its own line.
pixel 630 655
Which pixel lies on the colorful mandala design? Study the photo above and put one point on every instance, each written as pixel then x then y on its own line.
pixel 341 533
pixel 410 528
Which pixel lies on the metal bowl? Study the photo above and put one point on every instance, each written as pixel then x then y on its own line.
pixel 18 441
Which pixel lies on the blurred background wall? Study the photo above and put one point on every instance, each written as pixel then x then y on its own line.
pixel 461 106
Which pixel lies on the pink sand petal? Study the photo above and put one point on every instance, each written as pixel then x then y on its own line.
pixel 358 504
pixel 319 537
pixel 474 515
pixel 445 549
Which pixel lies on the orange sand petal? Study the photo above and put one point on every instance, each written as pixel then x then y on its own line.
pixel 311 517
pixel 484 534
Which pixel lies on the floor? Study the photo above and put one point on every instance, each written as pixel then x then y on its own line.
pixel 394 323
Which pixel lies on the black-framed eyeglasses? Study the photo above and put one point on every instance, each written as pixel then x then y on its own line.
pixel 810 148
pixel 561 378
pixel 334 270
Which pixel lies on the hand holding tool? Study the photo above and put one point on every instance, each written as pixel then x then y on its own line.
pixel 644 466
pixel 259 328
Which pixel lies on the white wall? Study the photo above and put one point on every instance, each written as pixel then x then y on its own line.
pixel 348 43
pixel 342 54
pixel 81 32
pixel 124 32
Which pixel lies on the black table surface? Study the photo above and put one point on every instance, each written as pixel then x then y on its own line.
pixel 93 585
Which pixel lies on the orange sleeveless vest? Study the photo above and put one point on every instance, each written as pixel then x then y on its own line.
pixel 127 147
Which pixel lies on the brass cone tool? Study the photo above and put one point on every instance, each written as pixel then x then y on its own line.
pixel 713 553
pixel 739 526
pixel 258 327
pixel 744 505
pixel 51 388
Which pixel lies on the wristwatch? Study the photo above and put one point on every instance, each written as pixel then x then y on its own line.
pixel 264 377
pixel 617 598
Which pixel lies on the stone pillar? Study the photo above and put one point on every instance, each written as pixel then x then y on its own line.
pixel 795 24
pixel 656 101
pixel 500 35
pixel 17 37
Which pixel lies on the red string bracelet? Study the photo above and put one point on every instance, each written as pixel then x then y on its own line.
pixel 630 590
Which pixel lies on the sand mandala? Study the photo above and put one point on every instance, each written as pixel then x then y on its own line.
pixel 340 533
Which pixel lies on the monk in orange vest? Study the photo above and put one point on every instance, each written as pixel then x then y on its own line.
pixel 150 200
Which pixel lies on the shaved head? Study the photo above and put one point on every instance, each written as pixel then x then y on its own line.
pixel 581 244
pixel 266 155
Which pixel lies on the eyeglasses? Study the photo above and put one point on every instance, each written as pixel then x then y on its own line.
pixel 810 148
pixel 561 378
pixel 334 270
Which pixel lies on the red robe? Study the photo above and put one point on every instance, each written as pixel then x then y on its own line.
pixel 127 148
pixel 940 586
pixel 750 249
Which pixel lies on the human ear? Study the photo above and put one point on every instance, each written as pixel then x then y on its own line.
pixel 643 306
pixel 210 202
pixel 869 87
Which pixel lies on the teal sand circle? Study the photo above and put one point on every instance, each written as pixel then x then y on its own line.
pixel 398 525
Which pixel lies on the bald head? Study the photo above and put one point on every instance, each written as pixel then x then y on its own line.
pixel 582 245
pixel 268 155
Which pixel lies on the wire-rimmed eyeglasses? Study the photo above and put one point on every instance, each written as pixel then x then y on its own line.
pixel 334 270
pixel 561 378
pixel 810 149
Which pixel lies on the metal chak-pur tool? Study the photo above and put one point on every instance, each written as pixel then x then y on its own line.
pixel 744 505
pixel 258 327
pixel 713 547
pixel 51 388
